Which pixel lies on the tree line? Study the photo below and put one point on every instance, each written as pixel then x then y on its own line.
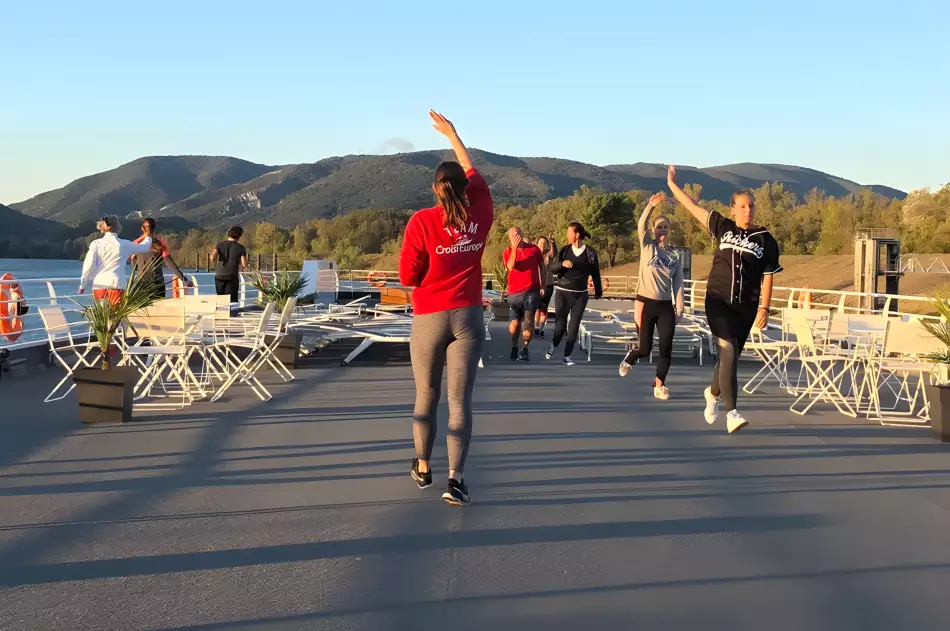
pixel 817 224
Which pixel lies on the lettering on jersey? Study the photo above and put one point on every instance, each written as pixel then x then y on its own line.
pixel 665 260
pixel 463 240
pixel 732 241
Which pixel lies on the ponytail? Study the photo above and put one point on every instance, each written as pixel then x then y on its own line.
pixel 450 185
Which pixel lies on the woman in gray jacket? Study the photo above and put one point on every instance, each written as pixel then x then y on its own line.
pixel 660 291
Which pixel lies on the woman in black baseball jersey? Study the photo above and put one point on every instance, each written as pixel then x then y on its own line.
pixel 738 292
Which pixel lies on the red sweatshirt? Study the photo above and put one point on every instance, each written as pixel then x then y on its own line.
pixel 445 264
pixel 526 276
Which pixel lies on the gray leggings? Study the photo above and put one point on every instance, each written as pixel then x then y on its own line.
pixel 455 338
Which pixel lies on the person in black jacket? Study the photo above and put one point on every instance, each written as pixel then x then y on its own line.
pixel 575 266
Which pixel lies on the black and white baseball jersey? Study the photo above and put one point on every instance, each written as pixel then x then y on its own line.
pixel 742 258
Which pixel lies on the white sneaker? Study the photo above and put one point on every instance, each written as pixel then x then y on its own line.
pixel 661 393
pixel 568 361
pixel 735 422
pixel 712 407
pixel 550 353
pixel 624 368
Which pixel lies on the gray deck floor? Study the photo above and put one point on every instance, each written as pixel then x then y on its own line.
pixel 595 506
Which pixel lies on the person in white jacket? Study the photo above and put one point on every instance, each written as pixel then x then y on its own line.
pixel 104 269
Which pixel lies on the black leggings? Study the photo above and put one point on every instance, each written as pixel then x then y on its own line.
pixel 731 324
pixel 567 303
pixel 659 315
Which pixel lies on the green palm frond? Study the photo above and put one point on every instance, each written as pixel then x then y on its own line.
pixel 279 287
pixel 500 273
pixel 941 329
pixel 105 318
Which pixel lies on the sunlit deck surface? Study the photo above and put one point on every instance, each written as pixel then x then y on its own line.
pixel 595 506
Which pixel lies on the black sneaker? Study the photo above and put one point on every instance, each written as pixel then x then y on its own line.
pixel 422 479
pixel 540 333
pixel 514 354
pixel 537 332
pixel 523 355
pixel 457 493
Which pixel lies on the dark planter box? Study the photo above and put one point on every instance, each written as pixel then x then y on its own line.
pixel 105 396
pixel 288 350
pixel 939 399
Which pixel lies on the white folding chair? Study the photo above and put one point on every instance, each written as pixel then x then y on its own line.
pixel 254 343
pixel 901 369
pixel 279 332
pixel 58 330
pixel 819 363
pixel 163 361
pixel 773 353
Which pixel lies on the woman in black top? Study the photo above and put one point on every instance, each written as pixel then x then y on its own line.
pixel 738 292
pixel 575 265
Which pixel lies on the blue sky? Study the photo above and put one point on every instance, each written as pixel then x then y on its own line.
pixel 857 89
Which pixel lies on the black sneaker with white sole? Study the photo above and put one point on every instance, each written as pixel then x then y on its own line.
pixel 422 479
pixel 568 361
pixel 457 493
pixel 514 354
pixel 523 355
pixel 540 333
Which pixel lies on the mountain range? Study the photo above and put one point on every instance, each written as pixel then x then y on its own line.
pixel 214 191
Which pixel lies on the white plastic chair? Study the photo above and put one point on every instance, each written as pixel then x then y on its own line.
pixel 819 362
pixel 59 330
pixel 245 370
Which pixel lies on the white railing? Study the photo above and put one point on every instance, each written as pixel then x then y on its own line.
pixel 695 290
pixel 62 292
pixel 41 292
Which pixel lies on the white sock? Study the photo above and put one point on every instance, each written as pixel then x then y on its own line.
pixel 455 475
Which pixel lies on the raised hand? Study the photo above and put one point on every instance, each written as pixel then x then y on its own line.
pixel 671 175
pixel 442 125
pixel 657 199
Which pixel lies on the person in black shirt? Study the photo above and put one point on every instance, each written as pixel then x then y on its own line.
pixel 738 291
pixel 575 265
pixel 231 258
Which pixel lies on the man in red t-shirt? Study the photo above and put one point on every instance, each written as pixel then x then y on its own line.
pixel 523 261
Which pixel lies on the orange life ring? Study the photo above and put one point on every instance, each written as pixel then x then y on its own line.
pixel 603 281
pixel 375 283
pixel 178 288
pixel 11 323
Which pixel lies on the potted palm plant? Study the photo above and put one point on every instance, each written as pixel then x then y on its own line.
pixel 105 393
pixel 938 387
pixel 500 275
pixel 278 288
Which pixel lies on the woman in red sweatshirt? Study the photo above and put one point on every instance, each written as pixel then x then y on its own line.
pixel 442 259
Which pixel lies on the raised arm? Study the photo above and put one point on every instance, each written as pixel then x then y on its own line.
pixel 445 127
pixel 138 248
pixel 645 217
pixel 698 212
pixel 512 258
